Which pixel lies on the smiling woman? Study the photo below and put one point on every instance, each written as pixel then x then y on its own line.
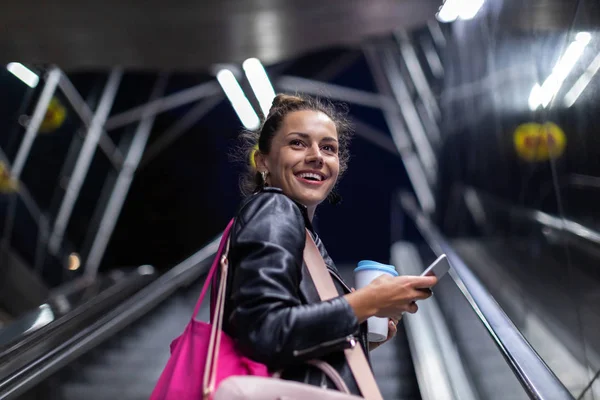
pixel 273 310
pixel 307 116
pixel 303 159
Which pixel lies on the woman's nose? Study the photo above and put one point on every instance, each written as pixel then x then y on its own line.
pixel 314 155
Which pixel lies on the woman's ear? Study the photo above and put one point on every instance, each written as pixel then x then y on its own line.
pixel 261 162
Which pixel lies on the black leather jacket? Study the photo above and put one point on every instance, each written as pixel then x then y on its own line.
pixel 272 307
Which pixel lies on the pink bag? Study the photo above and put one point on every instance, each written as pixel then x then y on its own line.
pixel 192 353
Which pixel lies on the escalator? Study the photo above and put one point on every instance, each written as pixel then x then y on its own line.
pixel 128 364
pixel 123 350
pixel 460 345
pixel 553 300
pixel 542 270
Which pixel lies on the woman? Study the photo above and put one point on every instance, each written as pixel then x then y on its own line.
pixel 272 309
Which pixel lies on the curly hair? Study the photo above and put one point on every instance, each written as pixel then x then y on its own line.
pixel 261 139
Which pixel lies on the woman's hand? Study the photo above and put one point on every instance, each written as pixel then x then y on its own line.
pixel 390 297
pixel 392 330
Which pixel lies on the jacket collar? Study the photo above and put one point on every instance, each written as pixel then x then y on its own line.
pixel 303 208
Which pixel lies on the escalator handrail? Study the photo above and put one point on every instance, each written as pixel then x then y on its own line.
pixel 11 346
pixel 529 368
pixel 544 219
pixel 105 327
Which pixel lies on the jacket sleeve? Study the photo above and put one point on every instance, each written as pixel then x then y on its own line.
pixel 271 323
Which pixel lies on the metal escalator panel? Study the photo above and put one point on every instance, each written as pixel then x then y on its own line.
pixel 454 355
pixel 39 363
pixel 553 301
pixel 491 343
pixel 126 366
pixel 487 369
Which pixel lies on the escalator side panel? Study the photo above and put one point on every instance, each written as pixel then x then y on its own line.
pixel 536 290
pixel 489 371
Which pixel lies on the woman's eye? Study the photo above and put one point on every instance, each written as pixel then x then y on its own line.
pixel 329 148
pixel 296 142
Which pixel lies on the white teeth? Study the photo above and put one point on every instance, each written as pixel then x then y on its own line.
pixel 310 175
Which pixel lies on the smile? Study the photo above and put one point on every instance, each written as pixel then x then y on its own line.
pixel 311 177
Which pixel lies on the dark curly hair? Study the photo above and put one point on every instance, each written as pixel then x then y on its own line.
pixel 282 105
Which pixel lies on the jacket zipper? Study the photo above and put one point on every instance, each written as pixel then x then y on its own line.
pixel 351 340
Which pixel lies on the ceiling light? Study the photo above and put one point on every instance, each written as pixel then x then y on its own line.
pixel 542 96
pixel 454 9
pixel 26 75
pixel 260 83
pixel 238 99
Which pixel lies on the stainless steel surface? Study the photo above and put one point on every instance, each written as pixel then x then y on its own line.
pixel 193 34
pixel 440 370
pixel 540 297
pixel 531 371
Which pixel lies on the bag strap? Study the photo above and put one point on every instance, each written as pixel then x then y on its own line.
pixel 214 343
pixel 355 356
pixel 213 268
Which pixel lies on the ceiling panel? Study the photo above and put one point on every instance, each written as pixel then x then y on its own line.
pixel 193 34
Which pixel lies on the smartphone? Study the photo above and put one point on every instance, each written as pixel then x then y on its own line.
pixel 438 268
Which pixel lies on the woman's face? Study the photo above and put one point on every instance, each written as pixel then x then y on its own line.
pixel 303 160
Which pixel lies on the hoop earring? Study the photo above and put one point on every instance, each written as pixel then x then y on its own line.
pixel 263 176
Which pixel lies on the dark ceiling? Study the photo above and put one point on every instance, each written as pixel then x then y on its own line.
pixel 188 35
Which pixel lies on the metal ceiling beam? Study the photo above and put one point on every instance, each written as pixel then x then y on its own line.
pixel 335 92
pixel 414 168
pixel 409 55
pixel 52 79
pixel 84 160
pixel 119 194
pixel 374 136
pixel 436 33
pixel 163 104
pixel 409 112
pixel 85 113
pixel 337 66
pixel 179 128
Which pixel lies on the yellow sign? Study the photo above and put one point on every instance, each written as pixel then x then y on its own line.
pixel 7 183
pixel 55 116
pixel 539 142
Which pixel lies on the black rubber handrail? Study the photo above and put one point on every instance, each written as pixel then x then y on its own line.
pixel 105 327
pixel 31 346
pixel 537 379
pixel 96 294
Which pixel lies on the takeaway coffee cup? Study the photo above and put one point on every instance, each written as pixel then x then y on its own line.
pixel 363 275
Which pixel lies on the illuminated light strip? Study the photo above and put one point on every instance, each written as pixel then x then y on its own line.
pixel 455 9
pixel 584 80
pixel 543 95
pixel 26 75
pixel 238 99
pixel 260 83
